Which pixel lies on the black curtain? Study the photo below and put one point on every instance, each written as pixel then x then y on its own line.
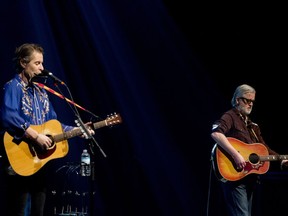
pixel 169 69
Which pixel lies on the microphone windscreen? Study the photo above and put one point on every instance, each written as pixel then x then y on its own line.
pixel 45 72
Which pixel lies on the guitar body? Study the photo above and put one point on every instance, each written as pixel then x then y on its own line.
pixel 27 158
pixel 225 168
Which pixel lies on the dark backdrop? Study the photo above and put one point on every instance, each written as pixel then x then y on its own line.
pixel 169 68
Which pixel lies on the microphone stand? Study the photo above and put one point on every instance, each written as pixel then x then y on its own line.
pixel 80 122
pixel 86 134
pixel 46 74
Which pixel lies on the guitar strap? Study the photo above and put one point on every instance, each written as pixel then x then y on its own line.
pixel 249 123
pixel 58 94
pixel 254 134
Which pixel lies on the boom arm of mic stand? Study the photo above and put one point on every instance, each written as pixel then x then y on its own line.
pixel 79 122
pixel 87 135
pixel 83 128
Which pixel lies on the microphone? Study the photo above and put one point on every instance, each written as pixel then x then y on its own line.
pixel 54 78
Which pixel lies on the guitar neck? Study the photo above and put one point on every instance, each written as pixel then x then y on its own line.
pixel 77 132
pixel 273 157
pixel 100 124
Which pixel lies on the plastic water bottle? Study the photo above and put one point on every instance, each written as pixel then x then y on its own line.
pixel 85 163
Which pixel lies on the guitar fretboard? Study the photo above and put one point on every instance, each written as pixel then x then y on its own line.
pixel 273 157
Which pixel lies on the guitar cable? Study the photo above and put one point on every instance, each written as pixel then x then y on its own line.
pixel 209 189
pixel 61 95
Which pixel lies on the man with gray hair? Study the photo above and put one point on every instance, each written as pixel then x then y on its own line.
pixel 233 133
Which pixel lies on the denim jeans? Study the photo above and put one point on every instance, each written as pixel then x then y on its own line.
pixel 238 196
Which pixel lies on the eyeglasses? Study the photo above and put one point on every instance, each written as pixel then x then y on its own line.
pixel 246 100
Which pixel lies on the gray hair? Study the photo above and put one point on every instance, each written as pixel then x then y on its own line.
pixel 240 91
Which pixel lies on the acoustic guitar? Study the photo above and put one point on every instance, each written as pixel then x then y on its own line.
pixel 256 156
pixel 26 157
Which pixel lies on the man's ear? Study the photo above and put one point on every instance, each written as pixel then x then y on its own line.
pixel 23 63
pixel 237 101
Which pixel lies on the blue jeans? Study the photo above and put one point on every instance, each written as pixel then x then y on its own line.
pixel 238 196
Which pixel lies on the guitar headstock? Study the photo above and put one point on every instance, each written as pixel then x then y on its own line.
pixel 113 119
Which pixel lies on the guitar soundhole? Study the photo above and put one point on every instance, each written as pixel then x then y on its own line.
pixel 254 158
